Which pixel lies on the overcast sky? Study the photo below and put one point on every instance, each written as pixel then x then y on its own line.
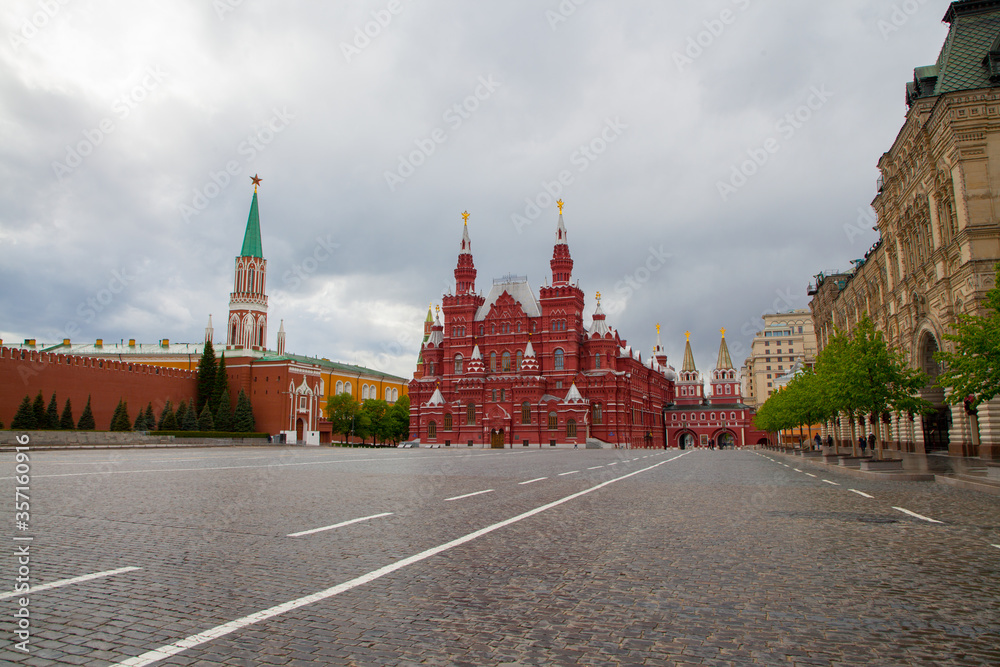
pixel 375 124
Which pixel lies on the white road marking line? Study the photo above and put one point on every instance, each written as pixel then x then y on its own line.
pixel 532 481
pixel 796 470
pixel 810 474
pixel 68 582
pixel 571 472
pixel 918 516
pixel 829 482
pixel 595 467
pixel 613 463
pixel 995 545
pixel 163 652
pixel 339 525
pixel 860 493
pixel 469 495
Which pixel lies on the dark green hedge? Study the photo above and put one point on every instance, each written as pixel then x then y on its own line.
pixel 209 434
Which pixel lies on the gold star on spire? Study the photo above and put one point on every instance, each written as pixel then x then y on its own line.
pixel 560 205
pixel 465 217
pixel 256 181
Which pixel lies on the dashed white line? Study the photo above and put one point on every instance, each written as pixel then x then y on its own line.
pixel 829 482
pixel 860 493
pixel 571 472
pixel 469 495
pixel 918 516
pixel 532 481
pixel 796 470
pixel 68 582
pixel 339 525
pixel 613 463
pixel 995 545
pixel 594 467
pixel 810 474
pixel 168 650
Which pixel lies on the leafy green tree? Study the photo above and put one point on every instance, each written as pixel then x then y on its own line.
pixel 86 422
pixel 205 421
pixel 377 411
pixel 399 419
pixel 342 412
pixel 362 426
pixel 971 370
pixel 224 414
pixel 66 421
pixel 168 419
pixel 52 413
pixel 207 369
pixel 41 416
pixel 243 421
pixel 25 419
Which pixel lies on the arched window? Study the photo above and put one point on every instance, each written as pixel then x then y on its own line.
pixel 388 394
pixel 432 430
pixel 598 413
pixel 493 362
pixel 571 428
pixel 518 327
pixel 519 360
pixel 553 421
pixel 481 329
pixel 525 413
pixel 251 281
pixel 260 338
pixel 597 360
pixel 447 422
pixel 364 392
pixel 558 359
pixel 470 414
pixel 506 362
pixel 340 388
pixel 458 364
pixel 232 337
pixel 729 389
pixel 348 389
pixel 395 395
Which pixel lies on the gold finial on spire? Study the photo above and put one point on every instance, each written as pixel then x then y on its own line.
pixel 437 309
pixel 723 332
pixel 256 181
pixel 687 335
pixel 598 297
pixel 465 217
pixel 657 329
pixel 560 204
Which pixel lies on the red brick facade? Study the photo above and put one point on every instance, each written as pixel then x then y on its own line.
pixel 515 370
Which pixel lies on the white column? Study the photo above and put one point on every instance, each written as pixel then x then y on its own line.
pixel 959 434
pixel 989 429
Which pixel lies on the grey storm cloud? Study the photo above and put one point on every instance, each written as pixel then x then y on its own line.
pixel 705 182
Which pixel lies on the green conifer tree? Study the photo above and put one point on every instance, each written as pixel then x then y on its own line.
pixel 120 421
pixel 66 422
pixel 205 421
pixel 221 386
pixel 190 422
pixel 41 416
pixel 140 421
pixel 243 421
pixel 25 419
pixel 206 379
pixel 86 422
pixel 52 413
pixel 180 414
pixel 224 414
pixel 168 420
pixel 150 417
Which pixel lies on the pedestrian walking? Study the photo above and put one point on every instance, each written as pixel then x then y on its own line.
pixel 863 444
pixel 829 441
pixel 871 443
pixel 819 442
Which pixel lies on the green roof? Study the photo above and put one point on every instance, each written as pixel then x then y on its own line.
pixel 969 57
pixel 251 240
pixel 331 365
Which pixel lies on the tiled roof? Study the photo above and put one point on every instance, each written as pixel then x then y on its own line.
pixel 251 239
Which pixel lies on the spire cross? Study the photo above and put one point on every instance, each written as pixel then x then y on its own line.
pixel 687 335
pixel 256 181
pixel 657 329
pixel 723 332
pixel 465 217
pixel 560 204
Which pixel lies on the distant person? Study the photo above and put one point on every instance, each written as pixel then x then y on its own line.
pixel 871 443
pixel 863 444
pixel 829 441
pixel 819 441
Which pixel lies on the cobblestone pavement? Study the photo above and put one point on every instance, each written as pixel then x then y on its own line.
pixel 698 558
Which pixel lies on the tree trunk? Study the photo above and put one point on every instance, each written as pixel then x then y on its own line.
pixel 854 436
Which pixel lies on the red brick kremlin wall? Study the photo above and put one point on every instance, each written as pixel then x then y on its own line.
pixel 75 377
